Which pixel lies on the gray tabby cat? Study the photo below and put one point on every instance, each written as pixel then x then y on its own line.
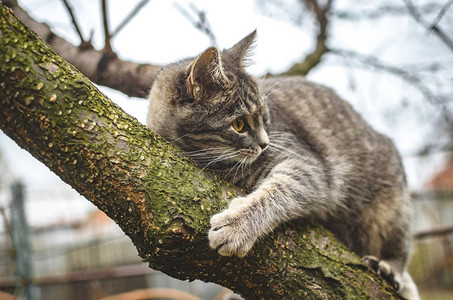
pixel 296 148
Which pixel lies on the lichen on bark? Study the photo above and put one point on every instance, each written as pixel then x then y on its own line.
pixel 160 199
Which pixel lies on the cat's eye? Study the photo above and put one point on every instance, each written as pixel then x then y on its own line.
pixel 239 125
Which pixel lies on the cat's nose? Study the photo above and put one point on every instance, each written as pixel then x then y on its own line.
pixel 263 146
pixel 263 140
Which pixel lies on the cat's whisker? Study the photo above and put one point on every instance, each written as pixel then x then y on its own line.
pixel 222 157
pixel 208 156
pixel 283 149
pixel 271 92
pixel 213 159
pixel 262 81
pixel 232 168
pixel 243 166
pixel 177 139
pixel 239 164
pixel 288 139
pixel 283 140
pixel 211 155
pixel 276 132
pixel 214 151
pixel 266 92
pixel 218 160
pixel 282 137
pixel 269 87
pixel 207 149
pixel 281 134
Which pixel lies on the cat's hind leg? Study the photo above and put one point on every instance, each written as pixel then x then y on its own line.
pixel 382 268
pixel 402 282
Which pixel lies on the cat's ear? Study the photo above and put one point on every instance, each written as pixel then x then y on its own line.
pixel 206 74
pixel 239 52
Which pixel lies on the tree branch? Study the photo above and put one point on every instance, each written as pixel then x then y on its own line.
pixel 437 31
pixel 74 21
pixel 386 9
pixel 441 14
pixel 200 22
pixel 102 68
pixel 154 193
pixel 105 23
pixel 314 58
pixel 405 74
pixel 434 232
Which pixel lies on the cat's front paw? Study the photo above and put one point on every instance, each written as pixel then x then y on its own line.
pixel 230 233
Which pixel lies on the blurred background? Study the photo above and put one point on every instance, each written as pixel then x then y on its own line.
pixel 392 60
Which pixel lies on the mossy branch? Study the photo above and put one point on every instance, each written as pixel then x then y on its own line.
pixel 160 199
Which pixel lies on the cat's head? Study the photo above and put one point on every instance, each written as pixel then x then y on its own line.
pixel 211 108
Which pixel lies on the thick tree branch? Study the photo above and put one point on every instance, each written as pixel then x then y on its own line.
pixel 102 68
pixel 154 193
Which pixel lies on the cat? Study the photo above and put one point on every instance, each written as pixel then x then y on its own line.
pixel 296 148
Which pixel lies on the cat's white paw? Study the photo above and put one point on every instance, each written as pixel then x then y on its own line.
pixel 229 232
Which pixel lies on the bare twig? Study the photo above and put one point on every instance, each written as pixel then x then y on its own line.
pixel 405 74
pixel 129 17
pixel 441 14
pixel 199 21
pixel 107 45
pixel 381 11
pixel 314 58
pixel 418 18
pixel 74 21
pixel 432 148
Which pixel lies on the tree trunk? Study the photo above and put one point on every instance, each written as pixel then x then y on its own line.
pixel 159 198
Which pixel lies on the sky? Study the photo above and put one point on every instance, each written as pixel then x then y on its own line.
pixel 160 34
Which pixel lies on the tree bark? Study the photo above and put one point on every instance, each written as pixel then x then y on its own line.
pixel 159 198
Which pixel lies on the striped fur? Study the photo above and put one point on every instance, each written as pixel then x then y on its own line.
pixel 303 153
